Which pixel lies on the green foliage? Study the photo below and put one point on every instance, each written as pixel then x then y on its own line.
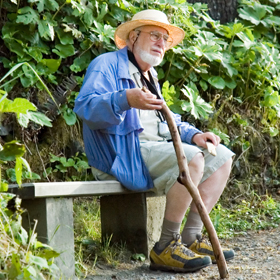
pixel 26 175
pixel 66 109
pixel 22 256
pixel 25 111
pixel 221 57
pixel 172 98
pixel 261 212
pixel 75 168
pixel 197 106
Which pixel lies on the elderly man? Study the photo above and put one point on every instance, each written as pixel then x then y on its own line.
pixel 124 139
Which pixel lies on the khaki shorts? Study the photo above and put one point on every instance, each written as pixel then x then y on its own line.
pixel 161 161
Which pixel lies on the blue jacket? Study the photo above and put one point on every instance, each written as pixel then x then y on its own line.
pixel 111 126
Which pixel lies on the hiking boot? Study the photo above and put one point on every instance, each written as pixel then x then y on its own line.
pixel 176 257
pixel 203 247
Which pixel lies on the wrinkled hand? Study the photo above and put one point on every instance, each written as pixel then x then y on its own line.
pixel 200 139
pixel 144 100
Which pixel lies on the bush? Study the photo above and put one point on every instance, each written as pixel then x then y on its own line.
pixel 22 256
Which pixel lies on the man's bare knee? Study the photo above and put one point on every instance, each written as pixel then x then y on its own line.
pixel 197 162
pixel 196 167
pixel 227 166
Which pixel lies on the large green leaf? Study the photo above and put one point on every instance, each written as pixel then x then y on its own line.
pixel 46 29
pixel 196 105
pixel 64 51
pixel 273 131
pixel 52 64
pixel 66 38
pixel 103 11
pixel 39 118
pixel 217 82
pixel 271 99
pixel 15 47
pixel 42 263
pixel 230 83
pixel 255 13
pixel 19 105
pixel 273 20
pixel 23 119
pixel 47 253
pixel 11 151
pixel 228 61
pixel 34 52
pixel 69 116
pixel 18 170
pixel 119 14
pixel 88 16
pixel 81 165
pixel 78 7
pixel 81 63
pixel 207 46
pixel 27 15
pixel 42 5
pixel 31 270
pixel 3 188
pixel 14 270
pixel 106 32
pixel 231 30
pixel 171 98
pixel 36 117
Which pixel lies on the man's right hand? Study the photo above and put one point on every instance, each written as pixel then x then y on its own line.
pixel 139 99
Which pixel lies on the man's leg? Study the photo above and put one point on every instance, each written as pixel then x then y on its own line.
pixel 169 253
pixel 210 191
pixel 178 200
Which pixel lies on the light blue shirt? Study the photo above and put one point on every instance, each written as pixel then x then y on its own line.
pixel 111 126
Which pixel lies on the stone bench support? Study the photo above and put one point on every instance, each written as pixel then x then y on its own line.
pixel 127 217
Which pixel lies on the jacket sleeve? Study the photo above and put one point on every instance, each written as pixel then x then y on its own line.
pixel 187 131
pixel 100 104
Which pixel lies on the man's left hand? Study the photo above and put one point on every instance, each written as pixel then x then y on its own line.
pixel 200 139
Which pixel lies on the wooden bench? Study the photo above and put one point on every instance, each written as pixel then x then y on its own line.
pixel 129 217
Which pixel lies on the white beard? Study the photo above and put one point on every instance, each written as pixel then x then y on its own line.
pixel 152 60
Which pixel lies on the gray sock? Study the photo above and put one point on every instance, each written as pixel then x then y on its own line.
pixel 167 232
pixel 192 227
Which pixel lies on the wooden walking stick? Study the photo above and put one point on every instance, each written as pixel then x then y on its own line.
pixel 185 179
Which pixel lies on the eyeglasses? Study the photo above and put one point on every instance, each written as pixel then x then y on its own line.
pixel 156 36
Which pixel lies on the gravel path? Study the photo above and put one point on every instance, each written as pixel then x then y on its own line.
pixel 257 258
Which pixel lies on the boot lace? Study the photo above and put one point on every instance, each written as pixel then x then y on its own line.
pixel 179 246
pixel 203 239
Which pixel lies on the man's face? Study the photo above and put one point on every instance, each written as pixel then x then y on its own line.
pixel 149 51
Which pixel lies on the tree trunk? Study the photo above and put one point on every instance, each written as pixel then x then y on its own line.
pixel 223 10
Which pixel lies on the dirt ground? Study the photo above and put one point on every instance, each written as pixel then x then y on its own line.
pixel 257 258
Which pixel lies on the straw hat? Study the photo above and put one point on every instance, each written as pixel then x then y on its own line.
pixel 148 17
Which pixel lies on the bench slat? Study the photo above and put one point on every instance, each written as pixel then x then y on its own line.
pixel 68 189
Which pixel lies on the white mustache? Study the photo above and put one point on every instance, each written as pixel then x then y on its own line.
pixel 158 49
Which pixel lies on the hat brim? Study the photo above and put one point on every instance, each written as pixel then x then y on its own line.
pixel 121 34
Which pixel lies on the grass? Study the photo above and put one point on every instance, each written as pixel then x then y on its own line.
pixel 89 249
pixel 261 212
